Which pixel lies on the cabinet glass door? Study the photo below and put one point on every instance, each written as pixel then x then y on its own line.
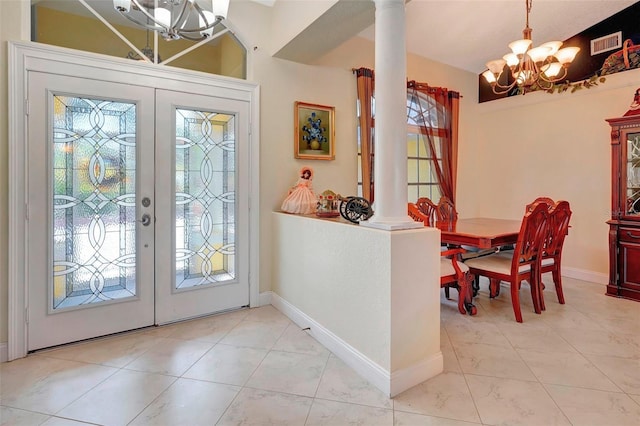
pixel 633 174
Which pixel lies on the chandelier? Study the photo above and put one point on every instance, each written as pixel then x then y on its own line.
pixel 530 68
pixel 175 19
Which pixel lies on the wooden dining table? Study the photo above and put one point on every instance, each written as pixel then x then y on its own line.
pixel 481 232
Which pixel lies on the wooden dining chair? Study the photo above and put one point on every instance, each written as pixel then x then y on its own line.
pixel 446 210
pixel 545 200
pixel 558 229
pixel 428 209
pixel 452 273
pixel 522 265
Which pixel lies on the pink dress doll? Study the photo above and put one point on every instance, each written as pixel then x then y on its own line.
pixel 301 198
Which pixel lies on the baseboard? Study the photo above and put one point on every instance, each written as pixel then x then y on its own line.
pixel 407 378
pixel 368 369
pixel 4 352
pixel 265 298
pixel 584 275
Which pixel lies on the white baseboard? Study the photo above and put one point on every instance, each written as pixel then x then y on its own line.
pixel 4 352
pixel 368 369
pixel 407 378
pixel 584 275
pixel 265 298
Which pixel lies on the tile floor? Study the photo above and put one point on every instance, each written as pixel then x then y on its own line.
pixel 577 364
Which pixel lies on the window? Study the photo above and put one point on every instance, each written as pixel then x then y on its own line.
pixel 421 179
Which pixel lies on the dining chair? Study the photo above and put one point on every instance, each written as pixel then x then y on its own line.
pixel 452 273
pixel 428 208
pixel 558 228
pixel 546 200
pixel 446 210
pixel 522 265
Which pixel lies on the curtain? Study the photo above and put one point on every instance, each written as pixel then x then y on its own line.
pixel 365 82
pixel 439 126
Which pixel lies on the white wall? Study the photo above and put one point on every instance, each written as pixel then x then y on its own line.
pixel 377 292
pixel 555 145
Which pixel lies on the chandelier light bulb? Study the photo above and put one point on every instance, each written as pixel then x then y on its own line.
pixel 551 70
pixel 207 21
pixel 489 76
pixel 122 5
pixel 519 47
pixel 554 46
pixel 220 8
pixel 538 54
pixel 567 55
pixel 496 66
pixel 511 59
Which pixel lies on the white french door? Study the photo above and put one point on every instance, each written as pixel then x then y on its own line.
pixel 137 213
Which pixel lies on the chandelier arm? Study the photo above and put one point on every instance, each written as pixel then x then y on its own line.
pixel 199 29
pixel 179 18
pixel 148 15
pixel 503 88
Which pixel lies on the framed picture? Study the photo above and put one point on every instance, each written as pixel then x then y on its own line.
pixel 314 131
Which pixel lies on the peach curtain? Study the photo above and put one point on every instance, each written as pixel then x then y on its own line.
pixel 365 81
pixel 447 133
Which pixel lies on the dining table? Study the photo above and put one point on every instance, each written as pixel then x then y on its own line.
pixel 480 232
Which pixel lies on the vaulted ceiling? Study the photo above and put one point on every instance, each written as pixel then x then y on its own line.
pixel 461 33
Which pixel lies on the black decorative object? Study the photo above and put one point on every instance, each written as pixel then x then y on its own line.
pixel 355 209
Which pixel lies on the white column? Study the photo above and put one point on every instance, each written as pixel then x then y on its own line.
pixel 390 168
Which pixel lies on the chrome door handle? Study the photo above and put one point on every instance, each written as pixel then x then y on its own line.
pixel 146 219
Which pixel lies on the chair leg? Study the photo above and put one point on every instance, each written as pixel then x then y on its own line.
pixel 446 292
pixel 536 294
pixel 557 280
pixel 515 301
pixel 468 295
pixel 494 288
pixel 462 291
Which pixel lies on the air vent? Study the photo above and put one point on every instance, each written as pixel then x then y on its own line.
pixel 606 43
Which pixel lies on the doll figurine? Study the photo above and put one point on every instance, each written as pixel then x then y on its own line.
pixel 301 198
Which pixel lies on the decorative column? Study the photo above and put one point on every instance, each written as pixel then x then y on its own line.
pixel 390 207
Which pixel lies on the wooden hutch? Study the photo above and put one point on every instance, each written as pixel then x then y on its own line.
pixel 624 226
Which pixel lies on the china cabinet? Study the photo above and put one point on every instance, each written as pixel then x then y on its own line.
pixel 624 226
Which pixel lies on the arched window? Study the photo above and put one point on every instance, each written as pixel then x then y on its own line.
pixel 70 24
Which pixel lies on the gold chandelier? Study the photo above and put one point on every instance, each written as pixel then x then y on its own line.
pixel 530 68
pixel 174 19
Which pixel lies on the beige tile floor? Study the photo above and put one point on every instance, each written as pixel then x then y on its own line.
pixel 574 364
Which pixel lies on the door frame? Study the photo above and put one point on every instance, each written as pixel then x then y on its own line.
pixel 29 56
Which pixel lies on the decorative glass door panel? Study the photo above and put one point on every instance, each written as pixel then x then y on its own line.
pixel 633 174
pixel 90 164
pixel 205 198
pixel 94 201
pixel 202 232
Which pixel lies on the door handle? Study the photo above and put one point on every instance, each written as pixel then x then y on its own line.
pixel 145 220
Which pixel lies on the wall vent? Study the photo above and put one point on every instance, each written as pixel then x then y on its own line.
pixel 606 43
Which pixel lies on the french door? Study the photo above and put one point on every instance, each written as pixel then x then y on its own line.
pixel 137 213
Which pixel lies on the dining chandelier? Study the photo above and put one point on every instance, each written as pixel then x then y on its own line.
pixel 175 19
pixel 530 68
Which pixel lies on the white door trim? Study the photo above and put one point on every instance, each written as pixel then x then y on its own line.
pixel 29 56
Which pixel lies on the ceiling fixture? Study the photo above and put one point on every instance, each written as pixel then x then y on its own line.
pixel 146 51
pixel 530 68
pixel 175 19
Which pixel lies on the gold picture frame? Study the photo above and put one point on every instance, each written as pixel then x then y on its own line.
pixel 314 134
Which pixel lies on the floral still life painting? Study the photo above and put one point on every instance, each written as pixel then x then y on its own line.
pixel 314 131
